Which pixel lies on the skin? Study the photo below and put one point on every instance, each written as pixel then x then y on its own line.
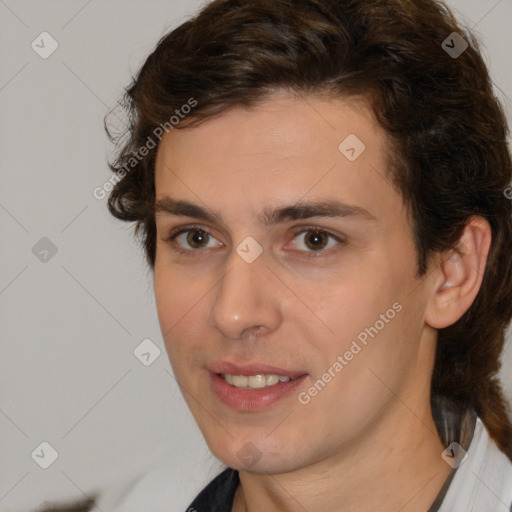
pixel 367 441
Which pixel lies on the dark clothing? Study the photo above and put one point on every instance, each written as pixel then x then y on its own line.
pixel 218 495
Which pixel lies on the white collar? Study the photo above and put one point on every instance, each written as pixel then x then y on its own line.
pixel 483 482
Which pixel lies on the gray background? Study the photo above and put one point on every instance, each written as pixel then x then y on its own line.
pixel 69 325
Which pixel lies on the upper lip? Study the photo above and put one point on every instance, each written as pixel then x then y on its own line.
pixel 253 368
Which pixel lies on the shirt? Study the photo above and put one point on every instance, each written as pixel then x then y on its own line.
pixel 480 481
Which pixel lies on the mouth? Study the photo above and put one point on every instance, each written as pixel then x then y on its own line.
pixel 252 387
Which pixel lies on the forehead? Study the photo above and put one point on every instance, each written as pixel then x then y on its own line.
pixel 283 149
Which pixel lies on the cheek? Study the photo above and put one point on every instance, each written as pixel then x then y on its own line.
pixel 377 328
pixel 365 312
pixel 349 302
pixel 178 303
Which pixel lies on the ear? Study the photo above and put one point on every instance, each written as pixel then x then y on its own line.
pixel 459 275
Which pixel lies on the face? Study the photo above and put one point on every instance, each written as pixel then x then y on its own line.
pixel 284 254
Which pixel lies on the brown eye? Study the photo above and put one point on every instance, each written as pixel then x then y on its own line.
pixel 192 239
pixel 197 238
pixel 316 240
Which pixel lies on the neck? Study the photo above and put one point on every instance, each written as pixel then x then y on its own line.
pixel 398 466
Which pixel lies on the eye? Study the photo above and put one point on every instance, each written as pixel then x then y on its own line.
pixel 192 238
pixel 316 240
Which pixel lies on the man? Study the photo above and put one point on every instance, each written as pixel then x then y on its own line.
pixel 320 186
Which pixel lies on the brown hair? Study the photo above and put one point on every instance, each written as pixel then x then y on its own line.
pixel 448 152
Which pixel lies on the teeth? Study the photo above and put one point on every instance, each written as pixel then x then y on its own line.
pixel 258 381
pixel 272 379
pixel 240 381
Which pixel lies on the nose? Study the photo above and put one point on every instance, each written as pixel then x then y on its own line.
pixel 246 301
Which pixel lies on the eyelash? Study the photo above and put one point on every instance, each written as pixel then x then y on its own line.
pixel 196 252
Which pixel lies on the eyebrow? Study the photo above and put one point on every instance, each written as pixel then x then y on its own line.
pixel 271 216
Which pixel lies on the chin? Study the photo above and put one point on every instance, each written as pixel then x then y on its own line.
pixel 259 454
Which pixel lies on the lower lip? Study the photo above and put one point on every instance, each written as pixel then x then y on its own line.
pixel 252 399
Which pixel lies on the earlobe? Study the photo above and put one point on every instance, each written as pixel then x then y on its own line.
pixel 459 275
